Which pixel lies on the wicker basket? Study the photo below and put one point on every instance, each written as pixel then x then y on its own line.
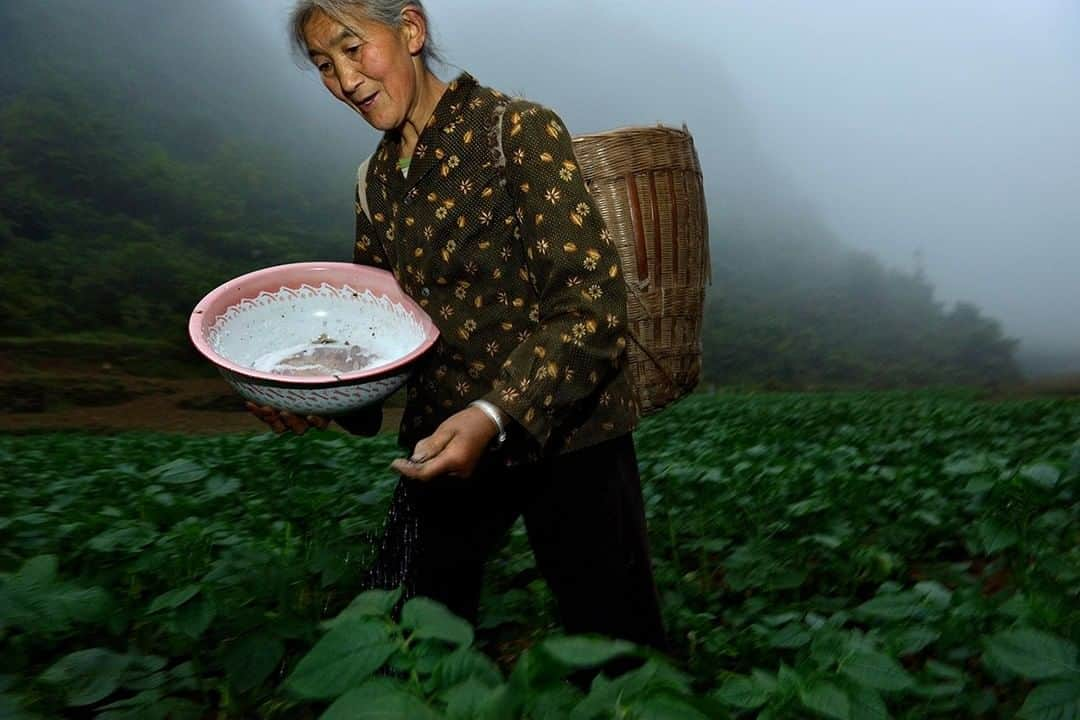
pixel 646 182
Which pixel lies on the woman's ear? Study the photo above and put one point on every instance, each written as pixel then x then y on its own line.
pixel 414 27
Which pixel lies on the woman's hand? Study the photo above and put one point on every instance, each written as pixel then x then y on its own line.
pixel 453 449
pixel 281 420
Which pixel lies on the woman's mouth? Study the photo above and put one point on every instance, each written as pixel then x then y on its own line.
pixel 367 102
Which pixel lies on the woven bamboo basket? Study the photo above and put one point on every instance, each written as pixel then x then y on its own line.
pixel 647 185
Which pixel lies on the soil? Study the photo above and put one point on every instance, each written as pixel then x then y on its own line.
pixel 190 405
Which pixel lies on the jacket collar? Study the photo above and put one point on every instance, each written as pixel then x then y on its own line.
pixel 448 110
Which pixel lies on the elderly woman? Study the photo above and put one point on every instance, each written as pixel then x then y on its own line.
pixel 524 407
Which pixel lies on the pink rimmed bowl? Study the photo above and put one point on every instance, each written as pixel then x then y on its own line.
pixel 315 338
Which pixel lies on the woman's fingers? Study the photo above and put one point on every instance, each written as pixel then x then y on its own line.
pixel 282 420
pixel 427 460
pixel 443 464
pixel 453 449
pixel 432 445
pixel 266 414
pixel 295 423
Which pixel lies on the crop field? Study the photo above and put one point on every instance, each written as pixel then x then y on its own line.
pixel 847 556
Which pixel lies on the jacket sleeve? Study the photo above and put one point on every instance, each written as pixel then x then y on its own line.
pixel 574 269
pixel 365 422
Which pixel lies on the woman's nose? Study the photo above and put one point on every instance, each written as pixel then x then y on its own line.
pixel 350 79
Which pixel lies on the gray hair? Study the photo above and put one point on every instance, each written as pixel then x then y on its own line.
pixel 386 12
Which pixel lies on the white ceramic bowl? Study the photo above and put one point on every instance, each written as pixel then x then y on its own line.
pixel 312 338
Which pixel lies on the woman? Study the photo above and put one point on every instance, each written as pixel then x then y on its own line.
pixel 524 406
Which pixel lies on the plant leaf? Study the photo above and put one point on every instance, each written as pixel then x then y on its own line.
pixel 87 676
pixel 826 699
pixel 10 709
pixel 742 692
pixel 179 472
pixel 876 670
pixel 194 618
pixel 429 619
pixel 378 603
pixel 1058 700
pixel 580 651
pixel 465 664
pixel 996 537
pixel 665 706
pixel 1032 654
pixel 1041 474
pixel 173 598
pixel 891 606
pixel 465 701
pixel 911 640
pixel 792 635
pixel 866 704
pixel 249 662
pixel 380 699
pixel 342 659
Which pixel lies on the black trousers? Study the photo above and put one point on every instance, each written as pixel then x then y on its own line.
pixel 585 520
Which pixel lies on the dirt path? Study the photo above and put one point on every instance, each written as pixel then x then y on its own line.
pixel 197 406
pixel 210 406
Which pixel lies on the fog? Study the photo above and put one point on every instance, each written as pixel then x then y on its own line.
pixel 944 135
pixel 950 130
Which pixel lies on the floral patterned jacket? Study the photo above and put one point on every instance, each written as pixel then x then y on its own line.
pixel 514 266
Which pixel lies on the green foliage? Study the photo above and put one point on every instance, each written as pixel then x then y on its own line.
pixel 103 225
pixel 1033 654
pixel 346 656
pixel 88 676
pixel 428 671
pixel 890 550
pixel 429 620
pixel 835 556
pixel 1053 701
pixel 814 316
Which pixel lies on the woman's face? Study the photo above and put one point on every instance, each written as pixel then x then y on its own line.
pixel 375 72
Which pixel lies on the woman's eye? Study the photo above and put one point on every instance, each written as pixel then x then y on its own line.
pixel 323 67
pixel 352 50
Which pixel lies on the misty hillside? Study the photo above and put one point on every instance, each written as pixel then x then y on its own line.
pixel 152 158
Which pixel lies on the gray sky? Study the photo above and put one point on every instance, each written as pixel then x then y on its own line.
pixel 947 126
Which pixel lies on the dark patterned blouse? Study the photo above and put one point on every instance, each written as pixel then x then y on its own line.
pixel 514 266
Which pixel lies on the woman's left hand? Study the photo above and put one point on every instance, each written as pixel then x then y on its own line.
pixel 453 449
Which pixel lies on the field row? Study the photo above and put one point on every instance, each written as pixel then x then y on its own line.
pixel 844 556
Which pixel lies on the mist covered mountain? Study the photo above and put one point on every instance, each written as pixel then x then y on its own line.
pixel 151 150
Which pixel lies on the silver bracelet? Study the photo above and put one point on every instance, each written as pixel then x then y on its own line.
pixel 492 412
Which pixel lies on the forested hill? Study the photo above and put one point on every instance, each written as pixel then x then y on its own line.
pixel 131 187
pixel 129 191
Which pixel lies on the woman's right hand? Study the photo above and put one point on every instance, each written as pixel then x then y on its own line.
pixel 282 420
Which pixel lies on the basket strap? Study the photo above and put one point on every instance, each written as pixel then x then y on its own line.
pixel 641 301
pixel 630 286
pixel 639 228
pixel 495 138
pixel 361 185
pixel 660 367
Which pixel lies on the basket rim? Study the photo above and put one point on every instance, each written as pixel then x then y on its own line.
pixel 633 129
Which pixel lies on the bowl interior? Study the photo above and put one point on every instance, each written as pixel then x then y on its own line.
pixel 327 330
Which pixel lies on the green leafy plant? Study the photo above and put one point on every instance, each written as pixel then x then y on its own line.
pixel 840 556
